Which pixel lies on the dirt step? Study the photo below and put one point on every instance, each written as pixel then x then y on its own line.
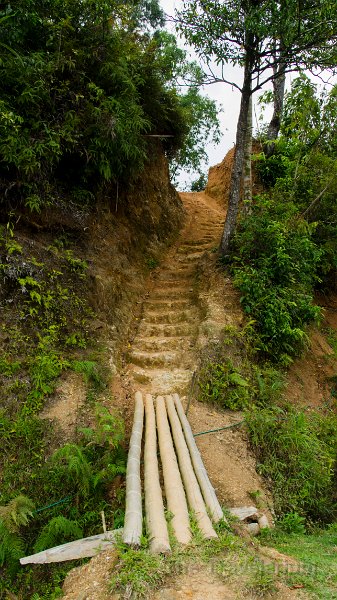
pixel 171 316
pixel 178 274
pixel 154 344
pixel 171 304
pixel 161 381
pixel 155 359
pixel 191 244
pixel 190 258
pixel 171 292
pixel 164 330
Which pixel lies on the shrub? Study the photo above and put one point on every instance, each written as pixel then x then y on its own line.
pixel 297 454
pixel 274 266
pixel 221 383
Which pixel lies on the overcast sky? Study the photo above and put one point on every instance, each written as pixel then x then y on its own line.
pixel 229 98
pixel 224 95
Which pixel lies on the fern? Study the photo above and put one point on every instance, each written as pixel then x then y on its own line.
pixel 108 474
pixel 77 469
pixel 59 530
pixel 11 546
pixel 109 430
pixel 16 513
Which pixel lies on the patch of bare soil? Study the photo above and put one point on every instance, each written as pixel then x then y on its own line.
pixel 228 460
pixel 308 379
pixel 91 581
pixel 66 402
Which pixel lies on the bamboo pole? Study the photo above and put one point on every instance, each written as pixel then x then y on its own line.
pixel 207 489
pixel 85 548
pixel 193 492
pixel 133 510
pixel 174 490
pixel 154 507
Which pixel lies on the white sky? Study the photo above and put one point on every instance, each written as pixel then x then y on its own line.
pixel 226 96
pixel 229 98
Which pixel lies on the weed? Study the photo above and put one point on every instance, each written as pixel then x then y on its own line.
pixel 262 580
pixel 292 523
pixel 316 570
pixel 89 370
pixel 151 263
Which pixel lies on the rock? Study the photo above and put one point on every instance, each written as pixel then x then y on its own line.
pixel 244 512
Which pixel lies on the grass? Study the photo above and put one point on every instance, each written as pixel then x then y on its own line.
pixel 138 572
pixel 316 551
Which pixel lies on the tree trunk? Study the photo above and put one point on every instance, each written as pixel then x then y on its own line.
pixel 235 184
pixel 247 169
pixel 278 96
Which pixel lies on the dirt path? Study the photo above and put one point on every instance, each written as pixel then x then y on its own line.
pixel 180 314
pixel 162 358
pixel 187 303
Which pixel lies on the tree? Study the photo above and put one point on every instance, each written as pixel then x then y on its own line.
pixel 268 38
pixel 83 86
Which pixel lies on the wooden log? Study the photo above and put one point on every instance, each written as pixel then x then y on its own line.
pixel 174 490
pixel 85 548
pixel 206 487
pixel 133 511
pixel 154 506
pixel 192 489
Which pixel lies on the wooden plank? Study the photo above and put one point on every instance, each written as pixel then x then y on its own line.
pixel 84 548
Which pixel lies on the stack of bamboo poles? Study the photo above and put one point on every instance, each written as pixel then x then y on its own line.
pixel 186 481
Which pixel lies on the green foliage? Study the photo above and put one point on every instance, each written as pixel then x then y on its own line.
pixel 17 513
pixel 109 430
pixel 292 523
pixel 74 467
pixel 89 370
pixel 198 185
pixel 201 118
pixel 12 548
pixel 58 530
pixel 151 263
pixel 229 375
pixel 274 267
pixel 109 78
pixel 297 453
pixel 303 171
pixel 221 383
pixel 12 517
